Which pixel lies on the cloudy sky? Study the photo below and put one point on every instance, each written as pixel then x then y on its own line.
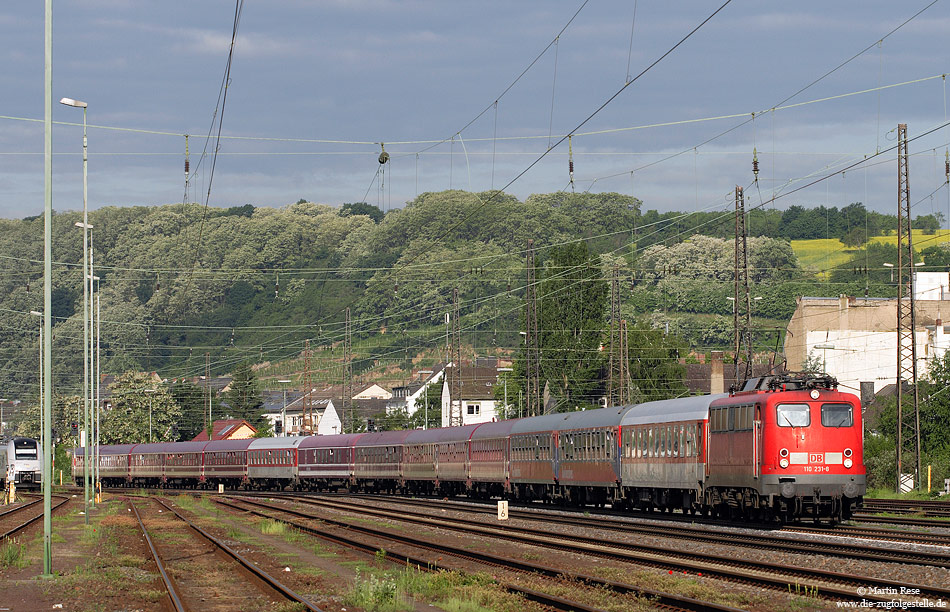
pixel 314 85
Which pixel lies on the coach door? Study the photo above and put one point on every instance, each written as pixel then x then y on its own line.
pixel 757 442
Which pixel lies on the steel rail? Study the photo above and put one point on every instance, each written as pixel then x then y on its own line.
pixel 23 526
pixel 169 585
pixel 658 556
pixel 758 541
pixel 248 565
pixel 669 600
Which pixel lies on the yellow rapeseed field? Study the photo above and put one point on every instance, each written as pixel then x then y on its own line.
pixel 821 255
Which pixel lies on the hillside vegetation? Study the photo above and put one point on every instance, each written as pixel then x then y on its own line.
pixel 182 286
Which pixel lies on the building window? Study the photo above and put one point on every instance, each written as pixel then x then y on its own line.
pixel 474 409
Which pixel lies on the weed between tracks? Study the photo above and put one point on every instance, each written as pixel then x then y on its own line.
pixel 690 586
pixel 13 554
pixel 107 573
pixel 377 590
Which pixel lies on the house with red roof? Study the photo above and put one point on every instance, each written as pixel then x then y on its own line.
pixel 227 429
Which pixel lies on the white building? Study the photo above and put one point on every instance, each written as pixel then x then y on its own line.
pixel 477 395
pixel 855 339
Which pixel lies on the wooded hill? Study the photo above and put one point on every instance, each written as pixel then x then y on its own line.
pixel 249 284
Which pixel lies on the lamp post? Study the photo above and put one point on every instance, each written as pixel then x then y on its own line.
pixel 425 393
pixel 824 356
pixel 506 387
pixel 283 411
pixel 150 414
pixel 891 266
pixel 85 300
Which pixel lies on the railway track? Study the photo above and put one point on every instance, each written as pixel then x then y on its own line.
pixel 13 514
pixel 642 518
pixel 659 599
pixel 775 576
pixel 185 600
pixel 920 507
pixel 761 541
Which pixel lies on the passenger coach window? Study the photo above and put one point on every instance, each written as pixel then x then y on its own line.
pixel 836 415
pixel 793 415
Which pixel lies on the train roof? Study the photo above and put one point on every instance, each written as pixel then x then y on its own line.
pixel 109 449
pixel 383 438
pixel 228 445
pixel 442 434
pixel 330 441
pixel 170 447
pixel 693 408
pixel 288 442
pixel 601 417
pixel 494 429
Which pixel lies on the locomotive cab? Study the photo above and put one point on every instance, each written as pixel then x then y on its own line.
pixel 787 447
pixel 812 455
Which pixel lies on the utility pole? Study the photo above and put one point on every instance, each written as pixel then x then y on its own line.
pixel 532 361
pixel 455 385
pixel 48 290
pixel 615 377
pixel 624 356
pixel 742 312
pixel 347 370
pixel 307 408
pixel 208 391
pixel 908 415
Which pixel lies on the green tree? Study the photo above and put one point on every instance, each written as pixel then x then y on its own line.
pixel 362 208
pixel 655 370
pixel 139 405
pixel 244 399
pixel 573 304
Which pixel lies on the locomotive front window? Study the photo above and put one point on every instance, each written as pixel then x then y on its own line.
pixel 793 415
pixel 836 415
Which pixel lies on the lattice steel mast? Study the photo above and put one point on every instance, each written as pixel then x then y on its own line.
pixel 908 416
pixel 742 303
pixel 532 361
pixel 455 388
pixel 615 381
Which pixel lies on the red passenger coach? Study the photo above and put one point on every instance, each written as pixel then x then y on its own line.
pixel 489 473
pixel 225 462
pixel 327 462
pixel 787 447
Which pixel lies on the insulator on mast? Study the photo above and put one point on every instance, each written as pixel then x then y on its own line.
pixel 383 156
pixel 277 286
pixel 755 164
pixel 946 164
pixel 187 163
pixel 570 160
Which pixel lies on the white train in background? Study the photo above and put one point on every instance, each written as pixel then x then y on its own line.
pixel 22 462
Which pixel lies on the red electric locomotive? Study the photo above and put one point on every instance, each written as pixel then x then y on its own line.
pixel 787 447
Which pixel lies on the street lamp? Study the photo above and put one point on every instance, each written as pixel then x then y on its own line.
pixel 425 393
pixel 85 297
pixel 283 411
pixel 506 387
pixel 824 356
pixel 150 414
pixel 891 266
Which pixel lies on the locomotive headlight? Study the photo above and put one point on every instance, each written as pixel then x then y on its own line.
pixel 814 394
pixel 848 452
pixel 784 463
pixel 848 463
pixel 783 453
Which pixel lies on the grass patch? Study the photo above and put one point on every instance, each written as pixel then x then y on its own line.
pixel 685 585
pixel 396 591
pixel 13 554
pixel 272 527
